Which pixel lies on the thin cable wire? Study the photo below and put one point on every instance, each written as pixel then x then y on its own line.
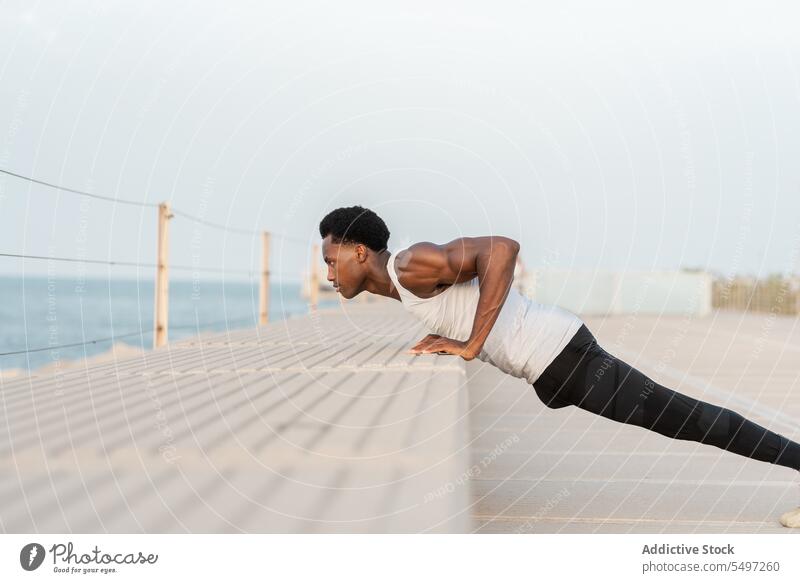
pixel 81 192
pixel 219 226
pixel 203 325
pixel 175 211
pixel 128 263
pixel 70 345
pixel 74 260
pixel 249 272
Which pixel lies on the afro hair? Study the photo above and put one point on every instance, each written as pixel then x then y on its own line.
pixel 355 224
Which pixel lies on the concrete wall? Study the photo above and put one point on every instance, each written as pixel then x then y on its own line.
pixel 609 292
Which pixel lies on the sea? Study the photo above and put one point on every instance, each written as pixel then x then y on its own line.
pixel 61 318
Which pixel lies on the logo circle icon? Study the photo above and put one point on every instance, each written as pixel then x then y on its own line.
pixel 31 556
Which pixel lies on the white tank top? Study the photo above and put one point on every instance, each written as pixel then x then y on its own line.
pixel 525 338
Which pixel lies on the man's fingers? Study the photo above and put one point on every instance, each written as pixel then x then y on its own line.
pixel 433 346
pixel 439 345
pixel 426 341
pixel 421 348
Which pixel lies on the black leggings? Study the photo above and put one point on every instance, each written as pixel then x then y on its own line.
pixel 590 378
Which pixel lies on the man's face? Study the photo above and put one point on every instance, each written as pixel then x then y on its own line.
pixel 345 271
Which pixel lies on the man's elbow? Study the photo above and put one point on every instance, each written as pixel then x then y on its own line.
pixel 510 245
pixel 500 248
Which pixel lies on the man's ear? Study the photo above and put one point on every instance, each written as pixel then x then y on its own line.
pixel 361 252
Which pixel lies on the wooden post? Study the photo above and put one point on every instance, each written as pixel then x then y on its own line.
pixel 313 280
pixel 263 295
pixel 162 277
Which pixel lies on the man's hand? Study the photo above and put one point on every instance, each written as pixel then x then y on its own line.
pixel 435 344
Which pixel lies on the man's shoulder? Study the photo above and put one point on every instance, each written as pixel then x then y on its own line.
pixel 418 266
pixel 419 252
pixel 423 257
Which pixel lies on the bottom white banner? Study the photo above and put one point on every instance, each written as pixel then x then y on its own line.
pixel 397 557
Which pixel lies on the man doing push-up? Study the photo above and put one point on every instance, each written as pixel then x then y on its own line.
pixel 462 291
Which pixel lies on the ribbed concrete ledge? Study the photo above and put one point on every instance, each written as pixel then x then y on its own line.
pixel 315 424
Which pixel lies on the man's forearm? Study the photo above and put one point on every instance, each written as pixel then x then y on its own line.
pixel 495 274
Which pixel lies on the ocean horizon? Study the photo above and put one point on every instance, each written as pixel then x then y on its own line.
pixel 40 314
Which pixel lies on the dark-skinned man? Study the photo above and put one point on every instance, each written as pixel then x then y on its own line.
pixel 462 291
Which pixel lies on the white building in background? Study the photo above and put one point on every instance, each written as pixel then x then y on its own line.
pixel 598 292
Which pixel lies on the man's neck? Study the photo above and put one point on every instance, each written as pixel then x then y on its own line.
pixel 378 281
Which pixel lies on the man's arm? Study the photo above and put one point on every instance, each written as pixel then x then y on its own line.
pixel 492 259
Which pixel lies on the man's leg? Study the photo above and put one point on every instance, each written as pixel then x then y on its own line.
pixel 612 388
pixel 588 377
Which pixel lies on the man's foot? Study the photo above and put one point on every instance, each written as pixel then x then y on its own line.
pixel 791 519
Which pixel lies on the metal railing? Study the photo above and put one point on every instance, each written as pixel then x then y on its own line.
pixel 162 266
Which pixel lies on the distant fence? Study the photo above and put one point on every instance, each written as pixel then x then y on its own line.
pixel 775 294
pixel 596 292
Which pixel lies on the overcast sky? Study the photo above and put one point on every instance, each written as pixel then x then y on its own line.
pixel 622 137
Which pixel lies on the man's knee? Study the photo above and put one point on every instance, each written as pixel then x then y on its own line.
pixel 682 417
pixel 550 395
pixel 715 422
pixel 674 414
